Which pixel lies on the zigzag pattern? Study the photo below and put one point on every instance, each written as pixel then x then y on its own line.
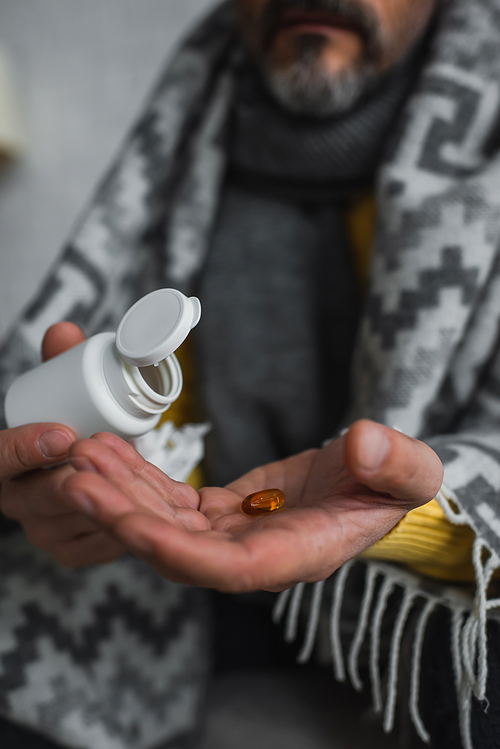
pixel 35 567
pixel 450 274
pixel 104 672
pixel 166 704
pixel 415 227
pixel 83 646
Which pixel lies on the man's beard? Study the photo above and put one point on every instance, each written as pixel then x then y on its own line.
pixel 305 86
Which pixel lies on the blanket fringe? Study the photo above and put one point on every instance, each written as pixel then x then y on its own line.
pixel 415 669
pixel 468 627
pixel 371 576
pixel 385 591
pixel 338 597
pixel 406 605
pixel 292 621
pixel 312 625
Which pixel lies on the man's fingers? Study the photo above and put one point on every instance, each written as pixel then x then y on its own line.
pixel 182 495
pixel 61 337
pixel 97 498
pixel 117 460
pixel 33 446
pixel 208 559
pixel 47 533
pixel 94 548
pixel 123 449
pixel 269 557
pixel 94 456
pixel 392 463
pixel 36 495
pixel 107 502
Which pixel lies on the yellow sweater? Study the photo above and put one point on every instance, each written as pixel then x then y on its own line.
pixel 424 539
pixel 186 409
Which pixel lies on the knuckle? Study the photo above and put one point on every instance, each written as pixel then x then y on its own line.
pixel 15 452
pixel 19 455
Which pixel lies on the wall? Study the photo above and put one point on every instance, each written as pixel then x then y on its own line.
pixel 81 69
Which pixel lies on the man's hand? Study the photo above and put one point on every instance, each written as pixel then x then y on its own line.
pixel 36 498
pixel 340 500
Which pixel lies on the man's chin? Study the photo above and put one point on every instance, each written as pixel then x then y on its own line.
pixel 315 91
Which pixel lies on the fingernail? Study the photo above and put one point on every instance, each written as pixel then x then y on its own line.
pixel 82 502
pixel 83 464
pixel 373 448
pixel 136 543
pixel 54 444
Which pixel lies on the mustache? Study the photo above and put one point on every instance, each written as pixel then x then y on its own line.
pixel 356 13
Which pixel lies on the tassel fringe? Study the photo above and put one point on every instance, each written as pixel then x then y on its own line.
pixel 468 629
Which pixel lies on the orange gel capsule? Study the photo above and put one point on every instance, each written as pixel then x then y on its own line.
pixel 258 503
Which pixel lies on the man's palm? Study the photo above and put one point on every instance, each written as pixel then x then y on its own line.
pixel 329 516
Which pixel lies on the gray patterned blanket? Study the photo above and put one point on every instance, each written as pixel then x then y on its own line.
pixel 80 651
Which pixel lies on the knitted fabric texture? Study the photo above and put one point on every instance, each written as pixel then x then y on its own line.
pixel 278 289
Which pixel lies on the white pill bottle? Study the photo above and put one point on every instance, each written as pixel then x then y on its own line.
pixel 119 383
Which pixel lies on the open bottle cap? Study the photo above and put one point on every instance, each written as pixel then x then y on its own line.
pixel 156 326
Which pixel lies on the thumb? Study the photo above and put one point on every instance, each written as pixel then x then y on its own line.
pixel 32 446
pixel 392 463
pixel 60 337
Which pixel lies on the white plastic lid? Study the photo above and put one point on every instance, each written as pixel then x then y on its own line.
pixel 156 326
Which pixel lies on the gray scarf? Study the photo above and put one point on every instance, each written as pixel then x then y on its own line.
pixel 280 300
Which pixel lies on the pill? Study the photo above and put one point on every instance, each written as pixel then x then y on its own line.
pixel 267 500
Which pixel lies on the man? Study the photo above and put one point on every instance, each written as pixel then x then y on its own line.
pixel 259 155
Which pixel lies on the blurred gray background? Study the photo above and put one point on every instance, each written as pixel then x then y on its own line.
pixel 81 70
